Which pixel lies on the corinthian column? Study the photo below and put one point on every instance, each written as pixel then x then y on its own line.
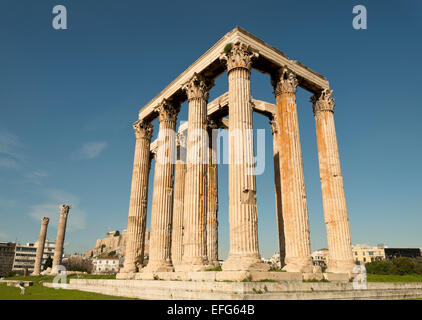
pixel 333 198
pixel 162 197
pixel 295 210
pixel 212 203
pixel 178 203
pixel 61 231
pixel 135 243
pixel 277 184
pixel 40 246
pixel 243 218
pixel 195 206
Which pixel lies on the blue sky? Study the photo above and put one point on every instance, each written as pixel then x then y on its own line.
pixel 68 98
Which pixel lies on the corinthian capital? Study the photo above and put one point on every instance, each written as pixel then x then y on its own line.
pixel 45 220
pixel 285 82
pixel 197 87
pixel 238 55
pixel 142 129
pixel 323 101
pixel 167 111
pixel 64 209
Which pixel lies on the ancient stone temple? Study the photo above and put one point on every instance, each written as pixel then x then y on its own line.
pixel 184 216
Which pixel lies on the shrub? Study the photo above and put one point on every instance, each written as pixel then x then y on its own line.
pixel 10 274
pixel 379 267
pixel 403 265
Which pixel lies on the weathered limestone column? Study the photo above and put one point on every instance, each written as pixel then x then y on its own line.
pixel 40 246
pixel 243 218
pixel 195 206
pixel 162 197
pixel 135 243
pixel 294 206
pixel 334 201
pixel 277 184
pixel 212 205
pixel 178 202
pixel 61 231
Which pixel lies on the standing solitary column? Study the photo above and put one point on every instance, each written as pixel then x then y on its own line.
pixel 277 183
pixel 135 243
pixel 178 202
pixel 212 206
pixel 195 207
pixel 162 197
pixel 40 246
pixel 294 206
pixel 61 231
pixel 334 201
pixel 243 218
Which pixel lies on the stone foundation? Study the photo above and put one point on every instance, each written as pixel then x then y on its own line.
pixel 249 290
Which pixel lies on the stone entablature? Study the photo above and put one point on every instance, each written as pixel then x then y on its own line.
pixel 209 64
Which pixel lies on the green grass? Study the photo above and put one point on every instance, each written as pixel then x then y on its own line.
pixel 394 278
pixel 71 276
pixel 214 269
pixel 39 292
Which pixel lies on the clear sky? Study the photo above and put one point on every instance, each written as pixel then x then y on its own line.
pixel 68 99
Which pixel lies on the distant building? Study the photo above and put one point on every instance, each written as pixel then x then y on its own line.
pixel 7 255
pixel 364 253
pixel 107 265
pixel 320 258
pixel 391 253
pixel 114 243
pixel 25 255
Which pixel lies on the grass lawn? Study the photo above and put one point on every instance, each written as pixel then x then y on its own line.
pixel 394 278
pixel 39 292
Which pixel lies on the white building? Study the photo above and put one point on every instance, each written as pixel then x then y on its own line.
pixel 107 265
pixel 25 255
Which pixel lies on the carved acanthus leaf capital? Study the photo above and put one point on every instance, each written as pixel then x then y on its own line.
pixel 143 129
pixel 238 55
pixel 197 87
pixel 167 111
pixel 285 82
pixel 64 209
pixel 323 101
pixel 45 220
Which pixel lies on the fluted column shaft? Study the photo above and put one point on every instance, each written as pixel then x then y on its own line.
pixel 243 218
pixel 294 206
pixel 135 243
pixel 212 206
pixel 178 203
pixel 40 247
pixel 195 206
pixel 277 184
pixel 61 232
pixel 162 198
pixel 334 201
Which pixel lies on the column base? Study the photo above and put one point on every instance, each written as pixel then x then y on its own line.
pixel 298 264
pixel 214 264
pixel 157 267
pixel 244 263
pixel 341 266
pixel 193 264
